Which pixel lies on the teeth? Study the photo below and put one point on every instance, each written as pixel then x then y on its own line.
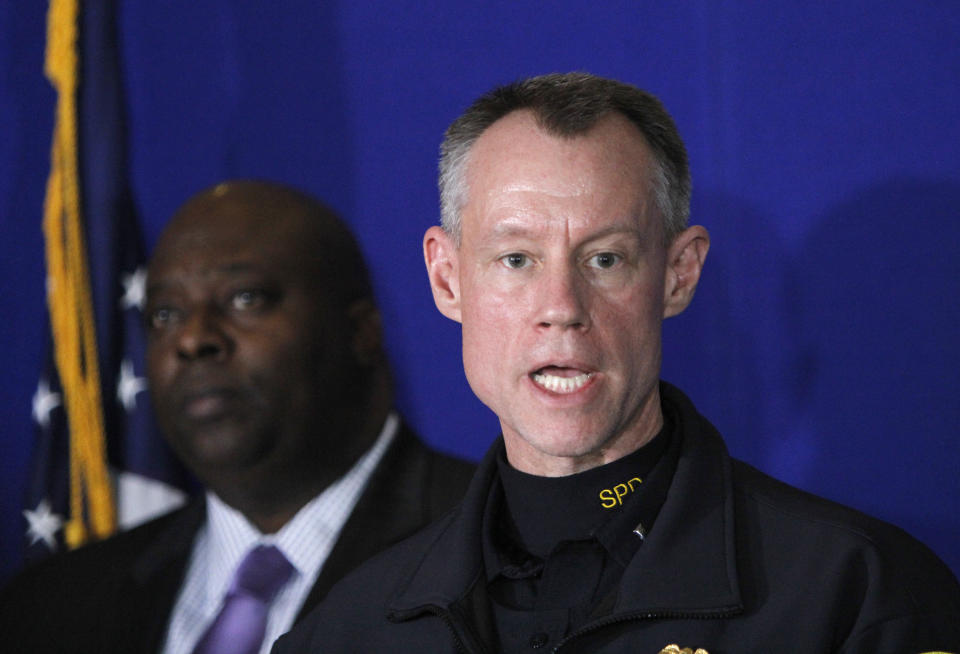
pixel 561 384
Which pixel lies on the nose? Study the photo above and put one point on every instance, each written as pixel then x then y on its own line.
pixel 202 336
pixel 561 299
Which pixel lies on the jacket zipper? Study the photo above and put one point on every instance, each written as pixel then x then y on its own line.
pixel 647 615
pixel 449 621
pixel 626 617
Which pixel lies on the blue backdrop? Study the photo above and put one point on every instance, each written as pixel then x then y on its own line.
pixel 825 147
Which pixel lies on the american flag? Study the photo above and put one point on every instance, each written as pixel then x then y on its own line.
pixel 99 463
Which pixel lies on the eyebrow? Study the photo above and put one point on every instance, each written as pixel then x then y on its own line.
pixel 509 228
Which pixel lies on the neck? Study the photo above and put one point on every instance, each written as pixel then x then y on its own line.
pixel 525 457
pixel 269 496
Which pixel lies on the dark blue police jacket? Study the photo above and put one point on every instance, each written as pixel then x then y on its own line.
pixel 736 562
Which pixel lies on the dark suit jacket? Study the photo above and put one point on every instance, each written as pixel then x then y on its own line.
pixel 117 595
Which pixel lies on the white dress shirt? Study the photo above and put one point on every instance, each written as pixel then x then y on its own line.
pixel 306 541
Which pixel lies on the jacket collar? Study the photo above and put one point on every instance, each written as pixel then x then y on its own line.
pixel 687 563
pixel 173 543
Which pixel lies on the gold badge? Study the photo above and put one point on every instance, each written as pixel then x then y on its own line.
pixel 676 649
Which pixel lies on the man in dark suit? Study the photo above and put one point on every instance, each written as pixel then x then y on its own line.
pixel 267 371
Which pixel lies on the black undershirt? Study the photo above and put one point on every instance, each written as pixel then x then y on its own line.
pixel 556 547
pixel 547 510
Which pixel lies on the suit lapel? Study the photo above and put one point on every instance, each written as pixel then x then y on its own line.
pixel 393 506
pixel 153 583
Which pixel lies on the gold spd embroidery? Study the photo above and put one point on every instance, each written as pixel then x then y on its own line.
pixel 611 497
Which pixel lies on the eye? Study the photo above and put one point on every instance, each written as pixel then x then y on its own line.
pixel 515 260
pixel 161 317
pixel 248 299
pixel 604 260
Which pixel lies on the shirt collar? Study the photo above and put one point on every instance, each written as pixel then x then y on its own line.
pixel 620 535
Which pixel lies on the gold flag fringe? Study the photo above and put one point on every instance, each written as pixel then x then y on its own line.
pixel 68 293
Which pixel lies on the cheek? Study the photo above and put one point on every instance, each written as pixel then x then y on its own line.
pixel 270 360
pixel 160 369
pixel 318 366
pixel 490 338
pixel 629 321
pixel 636 334
pixel 639 303
pixel 289 358
pixel 490 321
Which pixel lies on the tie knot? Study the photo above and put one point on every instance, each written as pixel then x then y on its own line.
pixel 261 573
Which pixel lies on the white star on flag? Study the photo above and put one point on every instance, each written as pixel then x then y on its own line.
pixel 43 524
pixel 134 289
pixel 129 385
pixel 44 401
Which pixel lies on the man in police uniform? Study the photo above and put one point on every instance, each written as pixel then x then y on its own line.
pixel 609 517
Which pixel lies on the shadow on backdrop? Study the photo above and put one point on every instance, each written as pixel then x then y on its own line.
pixel 727 350
pixel 879 362
pixel 834 365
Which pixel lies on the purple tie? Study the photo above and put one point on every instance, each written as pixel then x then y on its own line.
pixel 240 626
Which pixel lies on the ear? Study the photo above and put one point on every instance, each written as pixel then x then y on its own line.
pixel 685 258
pixel 443 268
pixel 367 331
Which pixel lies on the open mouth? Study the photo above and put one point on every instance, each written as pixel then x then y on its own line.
pixel 561 380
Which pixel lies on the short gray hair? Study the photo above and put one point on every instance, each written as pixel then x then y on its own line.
pixel 569 105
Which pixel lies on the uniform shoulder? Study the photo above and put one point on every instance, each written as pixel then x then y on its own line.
pixel 795 504
pixel 831 537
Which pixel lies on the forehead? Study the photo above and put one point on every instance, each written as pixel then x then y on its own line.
pixel 515 155
pixel 224 235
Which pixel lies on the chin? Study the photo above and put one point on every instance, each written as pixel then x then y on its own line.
pixel 218 449
pixel 562 443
